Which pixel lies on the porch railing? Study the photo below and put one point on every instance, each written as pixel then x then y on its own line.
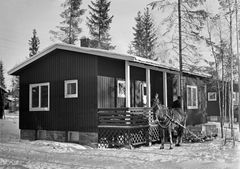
pixel 125 126
pixel 123 116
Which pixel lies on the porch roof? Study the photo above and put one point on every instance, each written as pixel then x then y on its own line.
pixel 98 52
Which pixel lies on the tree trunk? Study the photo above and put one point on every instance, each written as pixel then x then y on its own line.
pixel 220 106
pixel 180 52
pixel 231 55
pixel 236 3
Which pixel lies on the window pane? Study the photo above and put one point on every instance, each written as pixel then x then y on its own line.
pixel 194 96
pixel 144 90
pixel 35 96
pixel 44 96
pixel 189 99
pixel 71 88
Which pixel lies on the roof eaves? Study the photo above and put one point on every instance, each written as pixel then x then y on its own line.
pixel 97 52
pixel 32 59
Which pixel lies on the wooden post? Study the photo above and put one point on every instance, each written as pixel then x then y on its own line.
pixel 179 85
pixel 127 83
pixel 148 81
pixel 165 98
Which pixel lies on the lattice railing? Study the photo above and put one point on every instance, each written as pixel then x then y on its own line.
pixel 126 126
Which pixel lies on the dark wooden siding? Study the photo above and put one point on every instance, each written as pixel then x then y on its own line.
pixel 77 114
pixel 213 106
pixel 137 80
pixel 137 73
pixel 109 72
pixel 172 87
pixel 157 85
pixel 111 67
pixel 196 116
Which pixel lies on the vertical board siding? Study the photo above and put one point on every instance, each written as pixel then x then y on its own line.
pixel 111 67
pixel 137 78
pixel 77 114
pixel 109 72
pixel 157 85
pixel 170 89
pixel 195 116
pixel 107 93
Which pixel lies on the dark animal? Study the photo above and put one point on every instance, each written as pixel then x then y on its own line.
pixel 167 120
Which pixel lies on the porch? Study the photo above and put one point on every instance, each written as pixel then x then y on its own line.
pixel 126 127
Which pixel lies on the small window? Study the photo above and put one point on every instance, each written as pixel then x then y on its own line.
pixel 192 97
pixel 235 98
pixel 144 92
pixel 71 88
pixel 121 89
pixel 39 97
pixel 212 96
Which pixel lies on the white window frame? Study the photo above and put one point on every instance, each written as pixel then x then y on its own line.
pixel 192 87
pixel 144 95
pixel 234 96
pixel 39 108
pixel 119 94
pixel 212 93
pixel 66 82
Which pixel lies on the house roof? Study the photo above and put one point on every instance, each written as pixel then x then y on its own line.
pixel 97 52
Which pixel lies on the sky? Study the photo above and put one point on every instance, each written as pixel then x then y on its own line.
pixel 18 18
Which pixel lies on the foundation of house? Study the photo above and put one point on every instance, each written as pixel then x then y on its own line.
pixel 83 138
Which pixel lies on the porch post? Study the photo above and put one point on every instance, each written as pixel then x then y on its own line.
pixel 179 85
pixel 148 87
pixel 165 98
pixel 127 82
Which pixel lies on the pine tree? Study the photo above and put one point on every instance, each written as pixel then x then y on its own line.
pixel 192 23
pixel 144 35
pixel 69 30
pixel 99 24
pixel 2 79
pixel 15 91
pixel 130 50
pixel 138 35
pixel 34 43
pixel 149 35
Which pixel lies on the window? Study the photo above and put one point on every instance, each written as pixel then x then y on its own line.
pixel 212 96
pixel 235 98
pixel 71 88
pixel 121 89
pixel 144 93
pixel 192 97
pixel 39 97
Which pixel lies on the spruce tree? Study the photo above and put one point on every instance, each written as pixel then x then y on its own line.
pixel 149 35
pixel 138 35
pixel 99 24
pixel 2 79
pixel 144 35
pixel 34 43
pixel 15 91
pixel 69 30
pixel 130 50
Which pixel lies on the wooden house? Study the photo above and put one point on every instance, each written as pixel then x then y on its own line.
pixel 62 88
pixel 213 110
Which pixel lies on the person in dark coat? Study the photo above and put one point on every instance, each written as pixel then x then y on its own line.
pixel 155 105
pixel 177 103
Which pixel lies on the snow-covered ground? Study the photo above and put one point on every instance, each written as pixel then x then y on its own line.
pixel 15 153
